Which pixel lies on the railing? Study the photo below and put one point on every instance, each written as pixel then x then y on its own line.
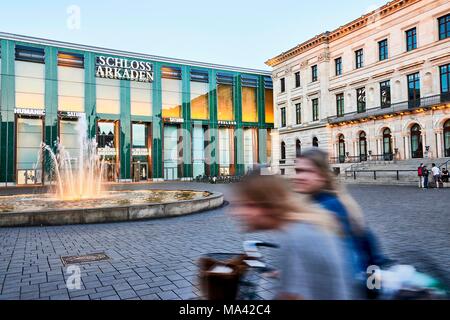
pixel 362 158
pixel 354 173
pixel 393 108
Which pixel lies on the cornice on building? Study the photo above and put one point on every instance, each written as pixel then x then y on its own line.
pixel 355 25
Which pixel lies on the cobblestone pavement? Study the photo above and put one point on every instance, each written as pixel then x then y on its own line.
pixel 156 259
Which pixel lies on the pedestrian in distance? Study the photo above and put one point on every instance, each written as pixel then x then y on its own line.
pixel 436 175
pixel 425 174
pixel 420 175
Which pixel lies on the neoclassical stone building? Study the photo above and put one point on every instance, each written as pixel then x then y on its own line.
pixel 377 87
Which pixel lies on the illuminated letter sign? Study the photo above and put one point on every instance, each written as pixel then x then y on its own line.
pixel 123 69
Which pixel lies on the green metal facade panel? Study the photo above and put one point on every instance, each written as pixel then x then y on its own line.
pixel 7 129
pixel 7 132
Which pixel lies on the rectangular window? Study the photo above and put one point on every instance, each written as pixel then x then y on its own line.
pixel 383 50
pixel 139 135
pixel 171 87
pixel 359 58
pixel 268 91
pixel 283 117
pixel 297 79
pixel 298 113
pixel 411 39
pixel 199 94
pixel 70 82
pixel 141 96
pixel 108 96
pixel 361 99
pixel 444 27
pixel 445 80
pixel 29 139
pixel 315 109
pixel 30 77
pixel 249 101
pixel 340 104
pixel 338 66
pixel 282 85
pixel 225 97
pixel 385 94
pixel 314 73
pixel 414 90
pixel 69 138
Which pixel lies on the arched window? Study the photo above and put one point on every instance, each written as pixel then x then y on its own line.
pixel 298 148
pixel 387 145
pixel 283 153
pixel 416 142
pixel 315 142
pixel 362 146
pixel 447 138
pixel 341 148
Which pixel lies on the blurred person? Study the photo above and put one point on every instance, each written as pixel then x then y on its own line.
pixel 314 178
pixel 311 256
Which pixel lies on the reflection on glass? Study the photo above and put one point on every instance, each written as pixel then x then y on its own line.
pixel 139 135
pixel 250 148
pixel 105 135
pixel 269 146
pixel 141 98
pixel 30 85
pixel 108 96
pixel 68 137
pixel 171 98
pixel 198 151
pixel 249 105
pixel 269 105
pixel 199 100
pixel 170 152
pixel 70 89
pixel 225 102
pixel 226 150
pixel 29 138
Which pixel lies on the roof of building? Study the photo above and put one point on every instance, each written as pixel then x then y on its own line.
pixel 327 37
pixel 74 46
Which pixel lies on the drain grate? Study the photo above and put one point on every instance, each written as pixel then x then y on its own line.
pixel 93 257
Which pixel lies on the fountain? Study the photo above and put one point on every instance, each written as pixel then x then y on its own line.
pixel 78 195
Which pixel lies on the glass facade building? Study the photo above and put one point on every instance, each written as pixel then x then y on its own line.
pixel 152 117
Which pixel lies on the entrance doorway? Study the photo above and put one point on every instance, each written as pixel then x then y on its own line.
pixel 140 171
pixel 416 142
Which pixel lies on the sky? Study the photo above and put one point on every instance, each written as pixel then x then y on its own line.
pixel 243 33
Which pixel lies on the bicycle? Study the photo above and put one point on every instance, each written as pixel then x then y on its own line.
pixel 234 276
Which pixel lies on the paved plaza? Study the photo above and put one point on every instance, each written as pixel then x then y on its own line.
pixel 156 259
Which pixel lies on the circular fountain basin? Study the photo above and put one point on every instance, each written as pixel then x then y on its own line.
pixel 112 206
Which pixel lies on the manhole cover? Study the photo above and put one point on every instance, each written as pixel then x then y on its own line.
pixel 85 258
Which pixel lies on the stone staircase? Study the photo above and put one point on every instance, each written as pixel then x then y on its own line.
pixel 402 172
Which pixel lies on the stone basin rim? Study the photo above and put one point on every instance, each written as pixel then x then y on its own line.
pixel 213 195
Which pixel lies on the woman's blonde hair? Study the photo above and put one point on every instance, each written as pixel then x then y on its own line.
pixel 319 158
pixel 272 193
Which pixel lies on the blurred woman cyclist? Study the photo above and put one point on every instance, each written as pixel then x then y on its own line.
pixel 315 179
pixel 311 258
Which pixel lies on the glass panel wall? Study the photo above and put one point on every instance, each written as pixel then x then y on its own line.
pixel 30 75
pixel 141 98
pixel 69 139
pixel 249 99
pixel 225 97
pixel 171 92
pixel 108 96
pixel 269 105
pixel 107 148
pixel 140 151
pixel 70 82
pixel 28 160
pixel 198 151
pixel 226 150
pixel 170 152
pixel 250 148
pixel 199 95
